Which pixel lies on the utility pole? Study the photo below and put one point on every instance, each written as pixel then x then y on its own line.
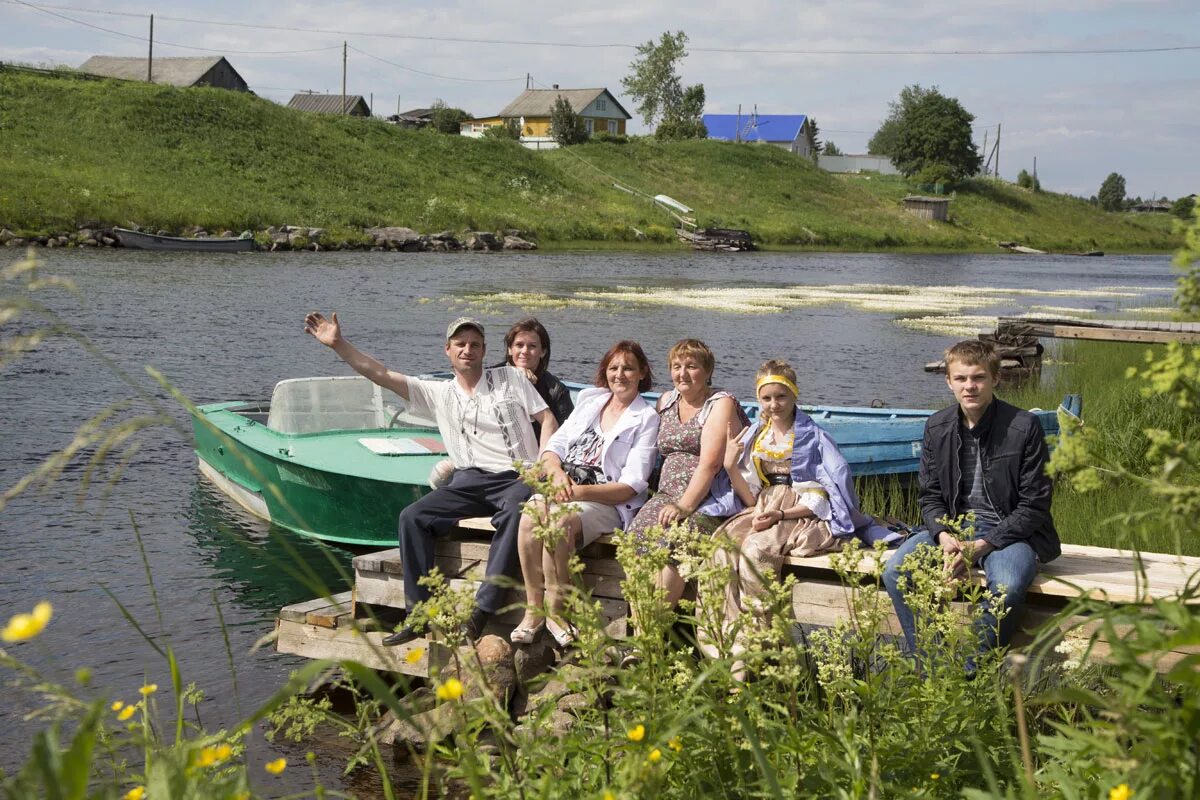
pixel 344 77
pixel 737 132
pixel 985 152
pixel 528 81
pixel 372 104
pixel 150 56
pixel 997 149
pixel 1035 181
pixel 397 105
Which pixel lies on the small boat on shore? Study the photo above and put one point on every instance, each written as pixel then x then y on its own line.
pixel 211 244
pixel 338 459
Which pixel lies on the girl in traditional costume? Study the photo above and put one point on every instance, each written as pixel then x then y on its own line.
pixel 798 491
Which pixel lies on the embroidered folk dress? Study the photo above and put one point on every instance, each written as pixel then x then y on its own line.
pixel 759 553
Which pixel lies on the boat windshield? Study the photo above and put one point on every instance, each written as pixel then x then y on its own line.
pixel 313 405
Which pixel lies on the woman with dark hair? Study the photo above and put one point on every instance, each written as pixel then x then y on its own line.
pixel 526 347
pixel 600 460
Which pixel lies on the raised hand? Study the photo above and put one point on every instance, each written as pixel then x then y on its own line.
pixel 326 331
pixel 733 450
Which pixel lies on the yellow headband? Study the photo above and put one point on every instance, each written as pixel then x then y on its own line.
pixel 782 381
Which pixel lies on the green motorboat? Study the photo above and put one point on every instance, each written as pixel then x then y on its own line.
pixel 339 458
pixel 333 458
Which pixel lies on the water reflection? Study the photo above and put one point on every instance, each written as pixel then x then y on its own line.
pixel 265 566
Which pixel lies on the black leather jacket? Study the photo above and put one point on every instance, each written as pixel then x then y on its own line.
pixel 1014 453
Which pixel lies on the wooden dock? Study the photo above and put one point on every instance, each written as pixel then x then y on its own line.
pixel 351 625
pixel 1107 330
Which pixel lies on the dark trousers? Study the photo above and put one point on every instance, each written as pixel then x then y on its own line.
pixel 470 493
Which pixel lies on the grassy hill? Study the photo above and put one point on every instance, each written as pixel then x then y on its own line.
pixel 104 152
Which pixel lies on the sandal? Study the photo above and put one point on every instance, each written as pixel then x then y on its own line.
pixel 565 637
pixel 525 634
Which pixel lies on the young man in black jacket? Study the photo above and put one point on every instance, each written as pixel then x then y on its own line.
pixel 986 456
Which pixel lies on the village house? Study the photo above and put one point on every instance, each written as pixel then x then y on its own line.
pixel 212 71
pixel 790 132
pixel 413 118
pixel 355 105
pixel 531 111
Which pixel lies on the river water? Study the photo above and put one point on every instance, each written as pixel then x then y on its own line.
pixel 857 328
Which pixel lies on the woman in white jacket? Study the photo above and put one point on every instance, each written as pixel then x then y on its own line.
pixel 600 459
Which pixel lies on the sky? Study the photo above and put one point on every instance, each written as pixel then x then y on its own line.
pixel 1081 115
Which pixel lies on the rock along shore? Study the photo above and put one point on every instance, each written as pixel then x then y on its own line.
pixel 298 237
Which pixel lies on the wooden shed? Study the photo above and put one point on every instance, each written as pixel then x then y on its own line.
pixel 212 71
pixel 934 208
pixel 355 105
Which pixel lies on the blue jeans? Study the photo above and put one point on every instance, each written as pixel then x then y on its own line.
pixel 1009 570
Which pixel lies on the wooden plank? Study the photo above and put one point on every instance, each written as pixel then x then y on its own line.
pixel 387 589
pixel 349 643
pixel 329 616
pixel 1114 335
pixel 298 611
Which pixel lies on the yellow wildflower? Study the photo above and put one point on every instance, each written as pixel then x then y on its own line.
pixel 414 655
pixel 675 745
pixel 450 690
pixel 213 755
pixel 933 776
pixel 136 793
pixel 654 756
pixel 117 705
pixel 1122 792
pixel 609 795
pixel 275 767
pixel 126 713
pixel 148 689
pixel 636 733
pixel 242 796
pixel 27 626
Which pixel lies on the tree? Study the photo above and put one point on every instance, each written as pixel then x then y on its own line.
pixel 654 85
pixel 566 126
pixel 1112 192
pixel 831 149
pixel 685 121
pixel 883 143
pixel 1183 207
pixel 1027 181
pixel 509 130
pixel 936 129
pixel 447 119
pixel 814 140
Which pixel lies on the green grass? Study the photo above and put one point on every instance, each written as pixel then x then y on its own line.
pixel 106 152
pixel 1114 407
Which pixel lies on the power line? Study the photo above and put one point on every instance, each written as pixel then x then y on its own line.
pixel 434 74
pixel 1048 51
pixel 164 43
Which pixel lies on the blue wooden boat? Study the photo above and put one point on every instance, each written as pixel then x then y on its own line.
pixel 338 459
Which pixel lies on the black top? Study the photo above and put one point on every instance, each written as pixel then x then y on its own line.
pixel 1012 447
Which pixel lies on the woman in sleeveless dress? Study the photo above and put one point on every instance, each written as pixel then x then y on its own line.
pixel 696 421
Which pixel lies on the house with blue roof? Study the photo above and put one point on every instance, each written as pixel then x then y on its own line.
pixel 789 131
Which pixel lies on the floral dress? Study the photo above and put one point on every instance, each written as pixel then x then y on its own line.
pixel 679 443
